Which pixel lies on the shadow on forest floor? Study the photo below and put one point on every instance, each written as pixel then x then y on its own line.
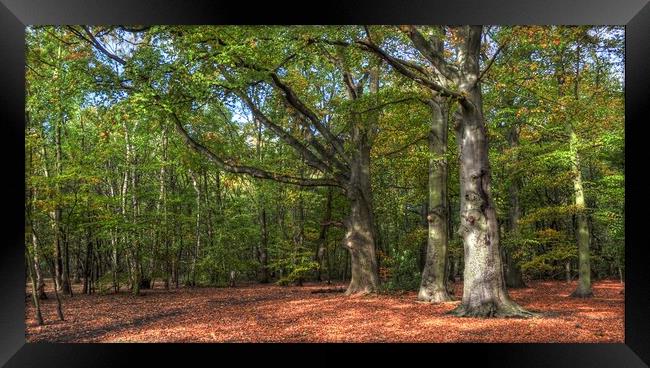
pixel 271 313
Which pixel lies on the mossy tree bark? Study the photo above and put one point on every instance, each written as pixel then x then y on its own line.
pixel 583 289
pixel 433 284
pixel 484 292
pixel 360 234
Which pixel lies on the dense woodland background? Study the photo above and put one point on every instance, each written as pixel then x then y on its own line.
pixel 118 198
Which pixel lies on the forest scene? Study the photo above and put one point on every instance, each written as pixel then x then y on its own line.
pixel 382 183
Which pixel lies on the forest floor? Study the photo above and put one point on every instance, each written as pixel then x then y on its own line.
pixel 270 313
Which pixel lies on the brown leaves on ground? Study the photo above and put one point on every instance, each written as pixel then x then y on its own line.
pixel 269 313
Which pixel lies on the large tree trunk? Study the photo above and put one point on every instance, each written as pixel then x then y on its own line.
pixel 360 236
pixel 484 292
pixel 514 277
pixel 433 285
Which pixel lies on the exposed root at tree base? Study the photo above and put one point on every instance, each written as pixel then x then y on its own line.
pixel 353 292
pixel 436 297
pixel 490 310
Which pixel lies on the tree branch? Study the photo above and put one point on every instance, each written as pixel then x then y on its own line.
pixel 429 52
pixel 291 97
pixel 480 77
pixel 93 41
pixel 254 172
pixel 399 66
pixel 310 158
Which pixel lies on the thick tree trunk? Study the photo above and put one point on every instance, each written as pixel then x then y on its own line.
pixel 484 292
pixel 360 235
pixel 433 286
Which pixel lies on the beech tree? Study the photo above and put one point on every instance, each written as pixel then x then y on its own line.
pixel 484 292
pixel 182 155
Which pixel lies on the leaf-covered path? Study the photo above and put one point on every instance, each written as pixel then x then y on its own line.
pixel 269 313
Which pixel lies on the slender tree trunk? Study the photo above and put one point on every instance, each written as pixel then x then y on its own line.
pixel 88 265
pixel 321 251
pixel 59 308
pixel 484 292
pixel 67 287
pixel 35 299
pixel 514 277
pixel 58 262
pixel 40 284
pixel 262 250
pixel 433 287
pixel 55 214
pixel 582 227
pixel 197 247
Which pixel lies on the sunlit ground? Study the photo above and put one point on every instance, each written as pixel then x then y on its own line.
pixel 269 313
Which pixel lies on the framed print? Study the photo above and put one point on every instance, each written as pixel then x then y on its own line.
pixel 414 179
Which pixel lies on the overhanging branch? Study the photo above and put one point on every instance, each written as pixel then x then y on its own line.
pixel 252 171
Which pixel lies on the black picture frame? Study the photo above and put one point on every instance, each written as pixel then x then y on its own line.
pixel 634 14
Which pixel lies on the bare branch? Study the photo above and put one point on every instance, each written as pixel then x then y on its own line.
pixel 491 61
pixel 93 41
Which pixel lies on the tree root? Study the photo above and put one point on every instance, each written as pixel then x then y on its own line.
pixel 434 297
pixel 356 291
pixel 492 310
